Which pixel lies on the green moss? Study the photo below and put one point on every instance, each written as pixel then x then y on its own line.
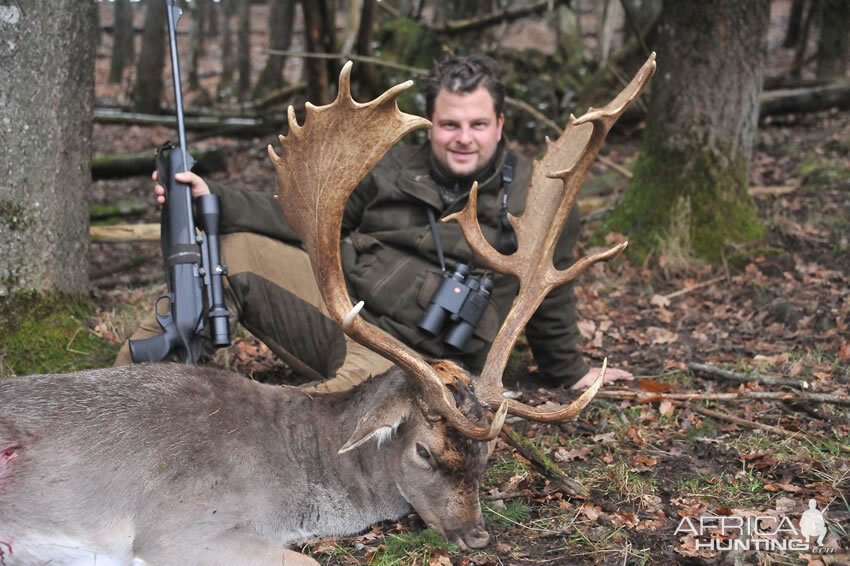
pixel 49 334
pixel 739 260
pixel 14 215
pixel 819 172
pixel 666 179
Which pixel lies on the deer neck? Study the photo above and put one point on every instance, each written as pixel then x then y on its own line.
pixel 344 493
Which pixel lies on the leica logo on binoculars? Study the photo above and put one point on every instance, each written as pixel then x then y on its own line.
pixel 461 300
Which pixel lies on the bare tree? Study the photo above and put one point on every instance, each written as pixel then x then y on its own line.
pixel 200 11
pixel 123 45
pixel 281 18
pixel 691 178
pixel 319 38
pixel 363 46
pixel 46 104
pixel 795 24
pixel 147 92
pixel 834 40
pixel 243 50
pixel 228 60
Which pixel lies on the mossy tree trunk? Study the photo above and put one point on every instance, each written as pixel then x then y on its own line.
pixel 46 109
pixel 694 161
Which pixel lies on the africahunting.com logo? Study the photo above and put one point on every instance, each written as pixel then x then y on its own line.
pixel 766 532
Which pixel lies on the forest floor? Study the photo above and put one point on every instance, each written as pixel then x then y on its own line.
pixel 679 444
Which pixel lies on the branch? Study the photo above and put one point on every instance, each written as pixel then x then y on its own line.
pixel 648 397
pixel 717 373
pixel 342 57
pixel 543 464
pixel 506 15
pixel 753 424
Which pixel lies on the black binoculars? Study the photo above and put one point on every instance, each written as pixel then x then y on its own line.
pixel 460 299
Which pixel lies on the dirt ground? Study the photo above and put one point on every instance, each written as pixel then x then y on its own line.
pixel 679 443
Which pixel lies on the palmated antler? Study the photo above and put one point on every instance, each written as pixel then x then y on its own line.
pixel 320 166
pixel 555 181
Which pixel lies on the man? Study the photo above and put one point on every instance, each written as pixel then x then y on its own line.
pixel 394 253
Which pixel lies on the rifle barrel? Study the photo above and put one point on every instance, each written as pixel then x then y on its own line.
pixel 173 16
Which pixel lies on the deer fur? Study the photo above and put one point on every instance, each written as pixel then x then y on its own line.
pixel 173 464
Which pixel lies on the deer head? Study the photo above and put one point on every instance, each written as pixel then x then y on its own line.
pixel 321 164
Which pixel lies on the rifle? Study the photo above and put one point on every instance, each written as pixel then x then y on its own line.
pixel 191 262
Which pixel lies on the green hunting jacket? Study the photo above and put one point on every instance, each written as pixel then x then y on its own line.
pixel 390 261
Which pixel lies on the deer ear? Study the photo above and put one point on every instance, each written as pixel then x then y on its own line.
pixel 380 421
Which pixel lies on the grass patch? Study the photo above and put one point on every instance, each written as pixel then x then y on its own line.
pixel 409 548
pixel 515 512
pixel 743 488
pixel 706 429
pixel 49 334
pixel 631 487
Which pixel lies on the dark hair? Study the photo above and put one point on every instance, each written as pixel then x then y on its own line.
pixel 464 74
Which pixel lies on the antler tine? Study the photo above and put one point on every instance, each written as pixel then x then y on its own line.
pixel 555 182
pixel 320 165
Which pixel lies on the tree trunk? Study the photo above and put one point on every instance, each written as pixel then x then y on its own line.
pixel 211 17
pixel 368 75
pixel 147 92
pixel 803 41
pixel 834 41
pixel 795 24
pixel 46 101
pixel 317 71
pixel 280 39
pixel 123 46
pixel 196 41
pixel 692 171
pixel 243 37
pixel 228 61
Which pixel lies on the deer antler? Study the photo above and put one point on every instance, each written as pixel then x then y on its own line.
pixel 555 181
pixel 320 166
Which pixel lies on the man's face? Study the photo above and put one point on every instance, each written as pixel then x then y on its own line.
pixel 466 130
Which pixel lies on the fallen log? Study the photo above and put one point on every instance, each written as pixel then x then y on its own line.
pixel 805 99
pixel 227 125
pixel 125 233
pixel 210 160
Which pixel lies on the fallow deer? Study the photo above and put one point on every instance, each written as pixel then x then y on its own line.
pixel 172 464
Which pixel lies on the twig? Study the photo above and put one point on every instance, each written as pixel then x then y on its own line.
pixel 752 424
pixel 505 496
pixel 647 397
pixel 486 20
pixel 543 464
pixel 715 372
pixel 352 56
pixel 687 290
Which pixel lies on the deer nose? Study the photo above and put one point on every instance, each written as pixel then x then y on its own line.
pixel 476 538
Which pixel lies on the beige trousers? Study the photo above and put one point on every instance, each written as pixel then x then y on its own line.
pixel 271 286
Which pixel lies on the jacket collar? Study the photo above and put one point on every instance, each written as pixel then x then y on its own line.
pixel 424 182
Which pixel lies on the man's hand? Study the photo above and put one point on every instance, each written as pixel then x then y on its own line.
pixel 611 374
pixel 198 185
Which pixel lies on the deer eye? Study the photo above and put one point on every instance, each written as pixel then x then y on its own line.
pixel 423 453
